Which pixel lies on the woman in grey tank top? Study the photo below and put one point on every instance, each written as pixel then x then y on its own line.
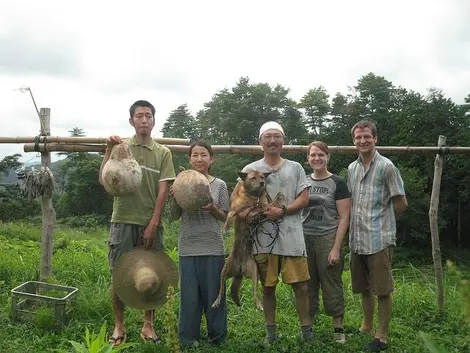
pixel 201 256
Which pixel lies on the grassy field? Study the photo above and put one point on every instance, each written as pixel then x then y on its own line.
pixel 80 260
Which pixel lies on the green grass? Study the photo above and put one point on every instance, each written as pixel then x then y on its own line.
pixel 80 260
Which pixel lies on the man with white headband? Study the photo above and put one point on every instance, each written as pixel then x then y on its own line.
pixel 279 246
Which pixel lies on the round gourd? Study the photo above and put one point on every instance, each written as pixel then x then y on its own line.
pixel 191 190
pixel 121 175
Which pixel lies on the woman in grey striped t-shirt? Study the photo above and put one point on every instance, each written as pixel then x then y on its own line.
pixel 201 256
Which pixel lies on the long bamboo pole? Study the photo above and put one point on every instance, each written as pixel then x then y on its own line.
pixel 83 139
pixel 433 214
pixel 249 149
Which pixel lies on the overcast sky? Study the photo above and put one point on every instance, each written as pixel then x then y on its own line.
pixel 89 61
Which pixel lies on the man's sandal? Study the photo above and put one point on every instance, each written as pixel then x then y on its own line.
pixel 155 340
pixel 376 345
pixel 116 341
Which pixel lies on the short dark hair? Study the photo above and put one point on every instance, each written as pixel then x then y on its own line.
pixel 141 103
pixel 201 143
pixel 364 124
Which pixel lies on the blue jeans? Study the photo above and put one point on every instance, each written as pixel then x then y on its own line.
pixel 199 283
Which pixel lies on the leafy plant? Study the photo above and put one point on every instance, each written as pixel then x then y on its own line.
pixel 430 345
pixel 97 343
pixel 465 291
pixel 171 321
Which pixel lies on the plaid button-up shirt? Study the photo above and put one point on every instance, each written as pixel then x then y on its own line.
pixel 372 220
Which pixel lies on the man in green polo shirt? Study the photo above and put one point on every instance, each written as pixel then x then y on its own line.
pixel 136 219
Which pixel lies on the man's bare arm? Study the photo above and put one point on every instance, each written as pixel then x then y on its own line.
pixel 295 206
pixel 299 203
pixel 400 204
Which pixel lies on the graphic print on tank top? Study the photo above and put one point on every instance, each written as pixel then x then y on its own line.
pixel 316 203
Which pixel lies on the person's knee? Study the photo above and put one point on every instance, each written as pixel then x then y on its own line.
pixel 269 291
pixel 384 297
pixel 300 289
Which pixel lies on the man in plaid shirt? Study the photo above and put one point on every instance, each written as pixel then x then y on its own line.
pixel 377 199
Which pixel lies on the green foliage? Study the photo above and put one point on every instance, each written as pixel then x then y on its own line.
pixel 413 226
pixel 14 206
pixel 171 321
pixel 9 162
pixel 97 343
pixel 86 221
pixel 180 124
pixel 83 193
pixel 81 261
pixel 403 118
pixel 44 318
pixel 463 284
pixel 430 345
pixel 316 105
pixel 234 116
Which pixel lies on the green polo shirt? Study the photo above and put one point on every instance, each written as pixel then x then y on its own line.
pixel 157 165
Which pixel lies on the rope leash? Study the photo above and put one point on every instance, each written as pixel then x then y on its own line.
pixel 259 225
pixel 263 226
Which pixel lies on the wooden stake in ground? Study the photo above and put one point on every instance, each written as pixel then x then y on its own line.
pixel 48 212
pixel 433 211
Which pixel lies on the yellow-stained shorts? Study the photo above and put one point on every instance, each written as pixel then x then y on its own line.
pixel 292 269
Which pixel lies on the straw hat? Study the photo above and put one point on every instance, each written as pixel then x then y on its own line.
pixel 141 278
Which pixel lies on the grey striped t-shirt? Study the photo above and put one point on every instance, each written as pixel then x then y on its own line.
pixel 200 232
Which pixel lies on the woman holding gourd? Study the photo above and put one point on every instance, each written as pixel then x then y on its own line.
pixel 201 256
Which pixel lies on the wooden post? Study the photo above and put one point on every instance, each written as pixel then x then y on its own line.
pixel 433 211
pixel 48 212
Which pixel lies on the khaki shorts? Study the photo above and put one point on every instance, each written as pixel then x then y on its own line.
pixel 293 269
pixel 372 272
pixel 125 237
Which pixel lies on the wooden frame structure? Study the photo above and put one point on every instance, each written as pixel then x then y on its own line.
pixel 45 144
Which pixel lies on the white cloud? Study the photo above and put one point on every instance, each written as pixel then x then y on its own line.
pixel 89 61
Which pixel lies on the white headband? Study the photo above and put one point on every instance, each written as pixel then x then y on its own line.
pixel 271 125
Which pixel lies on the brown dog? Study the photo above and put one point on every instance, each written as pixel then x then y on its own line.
pixel 252 194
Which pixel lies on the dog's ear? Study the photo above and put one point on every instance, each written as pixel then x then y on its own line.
pixel 267 174
pixel 242 175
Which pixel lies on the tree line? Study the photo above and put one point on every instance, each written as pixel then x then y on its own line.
pixel 233 116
